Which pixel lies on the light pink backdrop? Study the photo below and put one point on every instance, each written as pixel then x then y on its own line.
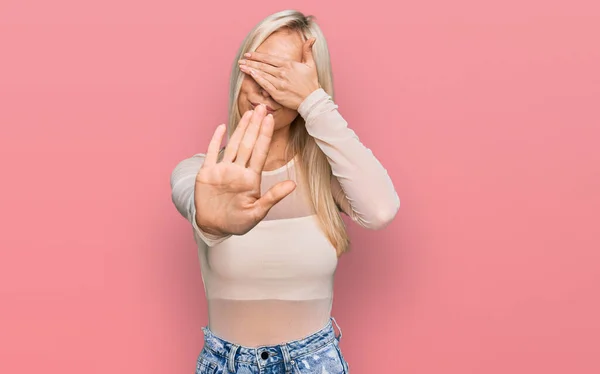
pixel 486 116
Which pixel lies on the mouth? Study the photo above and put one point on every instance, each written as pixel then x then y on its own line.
pixel 269 109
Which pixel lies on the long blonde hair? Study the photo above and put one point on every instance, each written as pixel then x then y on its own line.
pixel 312 161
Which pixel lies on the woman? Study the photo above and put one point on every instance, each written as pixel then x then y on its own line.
pixel 265 210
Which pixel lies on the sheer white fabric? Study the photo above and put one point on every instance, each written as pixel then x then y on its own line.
pixel 296 204
pixel 275 283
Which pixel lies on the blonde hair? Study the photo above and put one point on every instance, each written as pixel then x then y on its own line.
pixel 312 162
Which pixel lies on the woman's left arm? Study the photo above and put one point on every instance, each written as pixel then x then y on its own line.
pixel 361 185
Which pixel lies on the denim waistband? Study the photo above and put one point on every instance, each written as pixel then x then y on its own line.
pixel 275 354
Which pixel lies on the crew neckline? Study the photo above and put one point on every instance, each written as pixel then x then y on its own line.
pixel 281 168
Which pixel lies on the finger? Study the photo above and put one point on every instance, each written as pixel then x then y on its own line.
pixel 247 145
pixel 270 69
pixel 266 81
pixel 261 148
pixel 234 142
pixel 274 195
pixel 267 59
pixel 213 147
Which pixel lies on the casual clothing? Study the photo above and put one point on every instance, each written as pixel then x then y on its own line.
pixel 275 283
pixel 318 353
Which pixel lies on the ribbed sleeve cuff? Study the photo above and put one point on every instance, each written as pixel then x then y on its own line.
pixel 311 101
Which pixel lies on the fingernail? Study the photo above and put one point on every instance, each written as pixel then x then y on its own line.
pixel 247 54
pixel 242 62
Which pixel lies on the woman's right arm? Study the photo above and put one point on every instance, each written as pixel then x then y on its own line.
pixel 227 192
pixel 183 182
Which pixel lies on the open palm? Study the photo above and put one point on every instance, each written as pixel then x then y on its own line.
pixel 227 193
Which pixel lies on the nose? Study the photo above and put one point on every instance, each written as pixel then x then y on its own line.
pixel 264 93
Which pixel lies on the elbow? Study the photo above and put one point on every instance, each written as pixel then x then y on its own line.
pixel 383 216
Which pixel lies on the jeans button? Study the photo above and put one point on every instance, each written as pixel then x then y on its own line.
pixel 264 355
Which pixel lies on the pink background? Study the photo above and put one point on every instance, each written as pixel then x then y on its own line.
pixel 486 116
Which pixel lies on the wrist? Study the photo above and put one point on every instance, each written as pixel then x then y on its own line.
pixel 208 228
pixel 310 100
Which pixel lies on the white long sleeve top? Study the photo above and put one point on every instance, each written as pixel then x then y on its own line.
pixel 275 283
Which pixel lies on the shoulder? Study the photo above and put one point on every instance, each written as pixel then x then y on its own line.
pixel 187 167
pixel 196 159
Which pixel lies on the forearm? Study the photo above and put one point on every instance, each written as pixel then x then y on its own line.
pixel 366 185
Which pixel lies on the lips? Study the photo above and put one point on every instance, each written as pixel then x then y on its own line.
pixel 269 109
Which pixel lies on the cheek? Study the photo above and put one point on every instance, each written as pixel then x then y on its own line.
pixel 243 105
pixel 245 90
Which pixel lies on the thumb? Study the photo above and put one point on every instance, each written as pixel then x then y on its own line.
pixel 274 195
pixel 307 55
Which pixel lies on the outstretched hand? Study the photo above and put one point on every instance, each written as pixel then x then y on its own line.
pixel 227 193
pixel 288 82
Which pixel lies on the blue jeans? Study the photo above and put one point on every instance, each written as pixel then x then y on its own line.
pixel 318 353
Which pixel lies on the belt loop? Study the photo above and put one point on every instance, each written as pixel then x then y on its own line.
pixel 286 359
pixel 339 337
pixel 231 358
